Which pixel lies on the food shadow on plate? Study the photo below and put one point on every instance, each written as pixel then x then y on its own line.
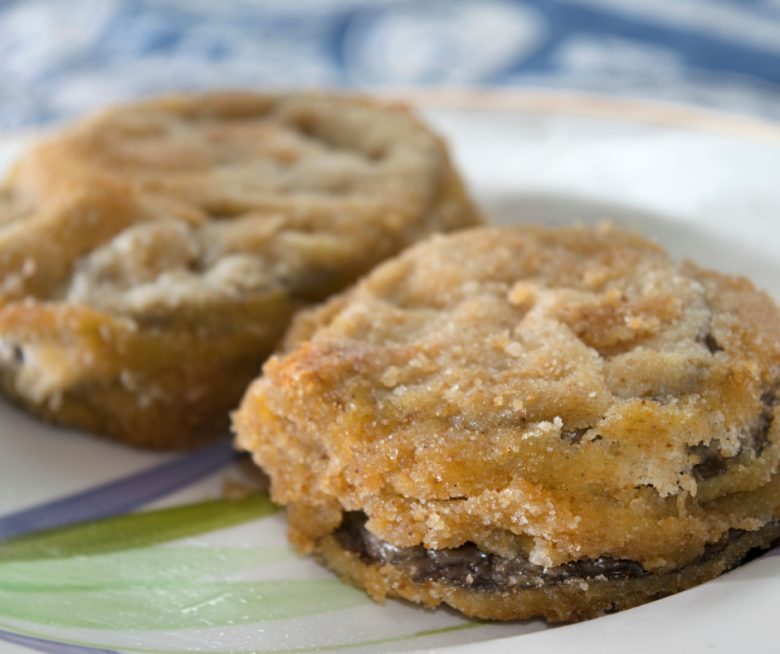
pixel 475 631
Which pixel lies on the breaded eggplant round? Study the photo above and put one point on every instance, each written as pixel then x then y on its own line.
pixel 527 421
pixel 152 256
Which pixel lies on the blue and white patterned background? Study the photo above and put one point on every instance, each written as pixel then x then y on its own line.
pixel 62 57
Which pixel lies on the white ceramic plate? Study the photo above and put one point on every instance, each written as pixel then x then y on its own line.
pixel 219 577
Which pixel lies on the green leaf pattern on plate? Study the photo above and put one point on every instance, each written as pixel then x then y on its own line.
pixel 180 606
pixel 119 574
pixel 105 575
pixel 135 529
pixel 142 568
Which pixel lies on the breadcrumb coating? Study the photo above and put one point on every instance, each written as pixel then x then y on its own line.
pixel 554 394
pixel 154 253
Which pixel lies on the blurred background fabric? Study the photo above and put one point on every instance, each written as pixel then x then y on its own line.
pixel 59 58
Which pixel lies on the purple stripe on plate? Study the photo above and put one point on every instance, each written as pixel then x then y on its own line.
pixel 123 495
pixel 51 646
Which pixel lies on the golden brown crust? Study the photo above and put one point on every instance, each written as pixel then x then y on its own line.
pixel 190 228
pixel 556 394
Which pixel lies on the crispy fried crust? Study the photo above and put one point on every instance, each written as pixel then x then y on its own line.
pixel 152 256
pixel 558 395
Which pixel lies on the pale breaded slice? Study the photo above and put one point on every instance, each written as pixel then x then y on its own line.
pixel 527 421
pixel 152 255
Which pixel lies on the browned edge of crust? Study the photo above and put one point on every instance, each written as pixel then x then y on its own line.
pixel 566 602
pixel 111 411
